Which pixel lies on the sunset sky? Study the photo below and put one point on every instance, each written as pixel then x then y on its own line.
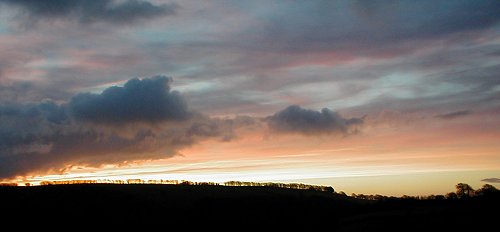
pixel 388 97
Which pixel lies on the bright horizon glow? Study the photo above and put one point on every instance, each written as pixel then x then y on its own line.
pixel 414 182
pixel 388 157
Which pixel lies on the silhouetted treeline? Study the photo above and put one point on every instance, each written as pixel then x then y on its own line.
pixel 282 185
pixel 107 181
pixel 254 206
pixel 186 182
pixel 463 191
pixel 8 184
pixel 128 181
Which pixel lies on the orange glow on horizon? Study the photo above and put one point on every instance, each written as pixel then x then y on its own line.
pixel 376 152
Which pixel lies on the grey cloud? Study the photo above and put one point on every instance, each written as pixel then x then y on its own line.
pixel 477 92
pixel 491 180
pixel 483 79
pixel 55 147
pixel 453 115
pixel 149 100
pixel 49 137
pixel 250 56
pixel 361 28
pixel 295 36
pixel 60 147
pixel 83 11
pixel 28 129
pixel 295 119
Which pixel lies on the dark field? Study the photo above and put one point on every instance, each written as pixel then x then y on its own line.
pixel 238 208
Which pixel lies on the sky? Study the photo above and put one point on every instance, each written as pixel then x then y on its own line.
pixel 388 97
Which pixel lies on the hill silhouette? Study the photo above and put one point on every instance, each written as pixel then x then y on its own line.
pixel 240 207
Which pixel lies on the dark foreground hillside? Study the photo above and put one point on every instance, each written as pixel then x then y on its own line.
pixel 236 208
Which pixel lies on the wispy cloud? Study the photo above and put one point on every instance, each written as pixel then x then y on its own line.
pixel 491 180
pixel 453 115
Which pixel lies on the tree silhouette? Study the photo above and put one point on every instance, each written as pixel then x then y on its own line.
pixel 486 190
pixel 451 195
pixel 8 184
pixel 464 190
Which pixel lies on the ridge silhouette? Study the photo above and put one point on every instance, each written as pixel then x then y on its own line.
pixel 250 207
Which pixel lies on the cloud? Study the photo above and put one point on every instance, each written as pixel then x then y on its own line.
pixel 351 25
pixel 260 63
pixel 83 11
pixel 149 100
pixel 354 56
pixel 491 180
pixel 295 119
pixel 58 147
pixel 23 124
pixel 96 129
pixel 143 120
pixel 453 115
pixel 224 128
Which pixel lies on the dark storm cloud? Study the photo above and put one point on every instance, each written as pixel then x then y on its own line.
pixel 43 137
pixel 116 12
pixel 23 124
pixel 148 100
pixel 491 180
pixel 453 115
pixel 310 122
pixel 58 147
pixel 53 147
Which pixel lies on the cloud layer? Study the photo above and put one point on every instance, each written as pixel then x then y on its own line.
pixel 344 54
pixel 110 11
